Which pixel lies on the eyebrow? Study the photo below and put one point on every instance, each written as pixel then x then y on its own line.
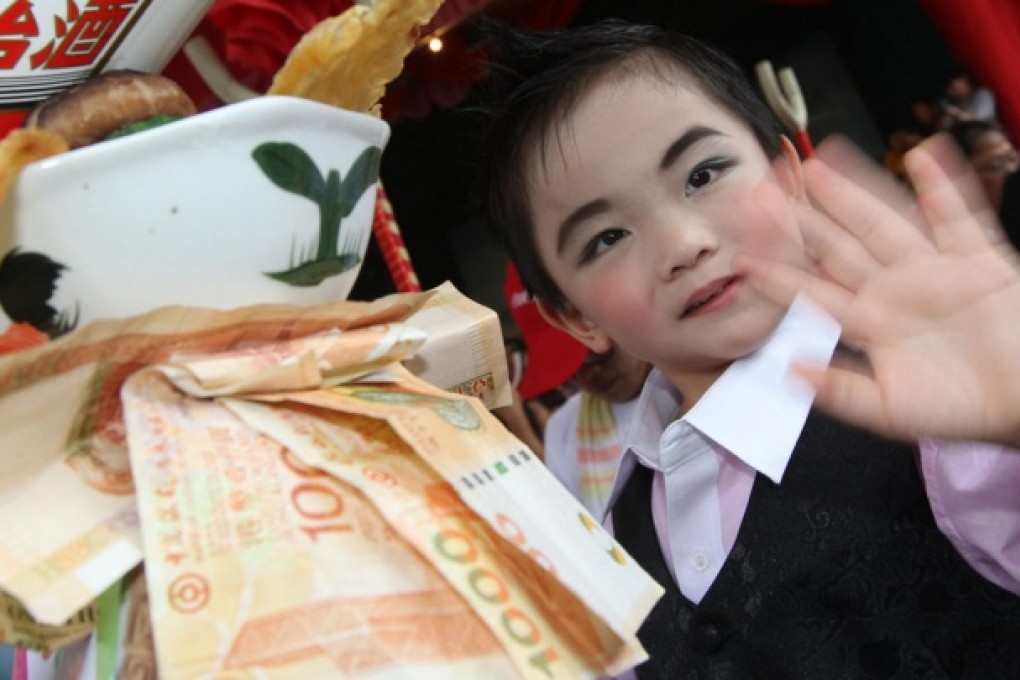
pixel 686 141
pixel 576 218
pixel 598 206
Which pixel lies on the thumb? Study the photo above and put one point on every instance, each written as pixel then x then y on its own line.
pixel 848 394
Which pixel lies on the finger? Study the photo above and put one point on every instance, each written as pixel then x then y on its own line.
pixel 782 282
pixel 884 232
pixel 951 198
pixel 946 154
pixel 778 206
pixel 839 257
pixel 849 161
pixel 845 392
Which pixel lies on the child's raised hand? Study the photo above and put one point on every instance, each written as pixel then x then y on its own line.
pixel 927 290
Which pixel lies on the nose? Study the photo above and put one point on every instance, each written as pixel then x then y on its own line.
pixel 682 242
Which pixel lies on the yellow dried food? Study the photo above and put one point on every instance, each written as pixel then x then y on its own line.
pixel 348 60
pixel 23 146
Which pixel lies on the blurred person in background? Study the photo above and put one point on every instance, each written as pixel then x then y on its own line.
pixel 541 370
pixel 929 117
pixel 516 417
pixel 990 152
pixel 1009 208
pixel 583 437
pixel 963 100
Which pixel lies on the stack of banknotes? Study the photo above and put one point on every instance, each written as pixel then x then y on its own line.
pixel 283 492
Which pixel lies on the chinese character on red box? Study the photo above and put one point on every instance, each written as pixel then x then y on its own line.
pixel 83 37
pixel 48 46
pixel 17 25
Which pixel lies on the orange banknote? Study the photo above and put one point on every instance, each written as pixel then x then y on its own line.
pixel 498 478
pixel 68 523
pixel 260 566
pixel 542 625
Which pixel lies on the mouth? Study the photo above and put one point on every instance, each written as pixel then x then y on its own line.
pixel 712 297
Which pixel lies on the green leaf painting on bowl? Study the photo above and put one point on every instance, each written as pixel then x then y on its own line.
pixel 290 168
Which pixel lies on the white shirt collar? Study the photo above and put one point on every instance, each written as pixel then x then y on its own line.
pixel 753 409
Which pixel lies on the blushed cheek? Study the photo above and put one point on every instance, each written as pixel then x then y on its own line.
pixel 617 304
pixel 789 233
pixel 773 232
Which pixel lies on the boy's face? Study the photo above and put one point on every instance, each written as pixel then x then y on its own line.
pixel 644 200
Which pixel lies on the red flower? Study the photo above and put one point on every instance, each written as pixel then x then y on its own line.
pixel 254 37
pixel 258 35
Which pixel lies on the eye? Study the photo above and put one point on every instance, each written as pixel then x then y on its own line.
pixel 707 172
pixel 602 242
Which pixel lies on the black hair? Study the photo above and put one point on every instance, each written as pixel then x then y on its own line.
pixel 536 81
pixel 967 132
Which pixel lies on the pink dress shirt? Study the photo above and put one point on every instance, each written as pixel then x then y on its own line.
pixel 749 422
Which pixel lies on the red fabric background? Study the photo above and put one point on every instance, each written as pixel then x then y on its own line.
pixel 984 36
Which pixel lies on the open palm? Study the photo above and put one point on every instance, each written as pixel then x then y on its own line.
pixel 926 291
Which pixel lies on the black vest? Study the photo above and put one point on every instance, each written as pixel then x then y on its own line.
pixel 839 572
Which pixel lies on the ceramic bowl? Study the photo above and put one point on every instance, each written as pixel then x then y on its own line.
pixel 269 200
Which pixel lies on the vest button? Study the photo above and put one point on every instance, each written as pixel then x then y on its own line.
pixel 705 635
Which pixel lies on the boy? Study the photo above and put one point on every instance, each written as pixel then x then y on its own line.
pixel 626 166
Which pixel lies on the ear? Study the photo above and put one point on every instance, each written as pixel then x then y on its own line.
pixel 789 170
pixel 571 321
